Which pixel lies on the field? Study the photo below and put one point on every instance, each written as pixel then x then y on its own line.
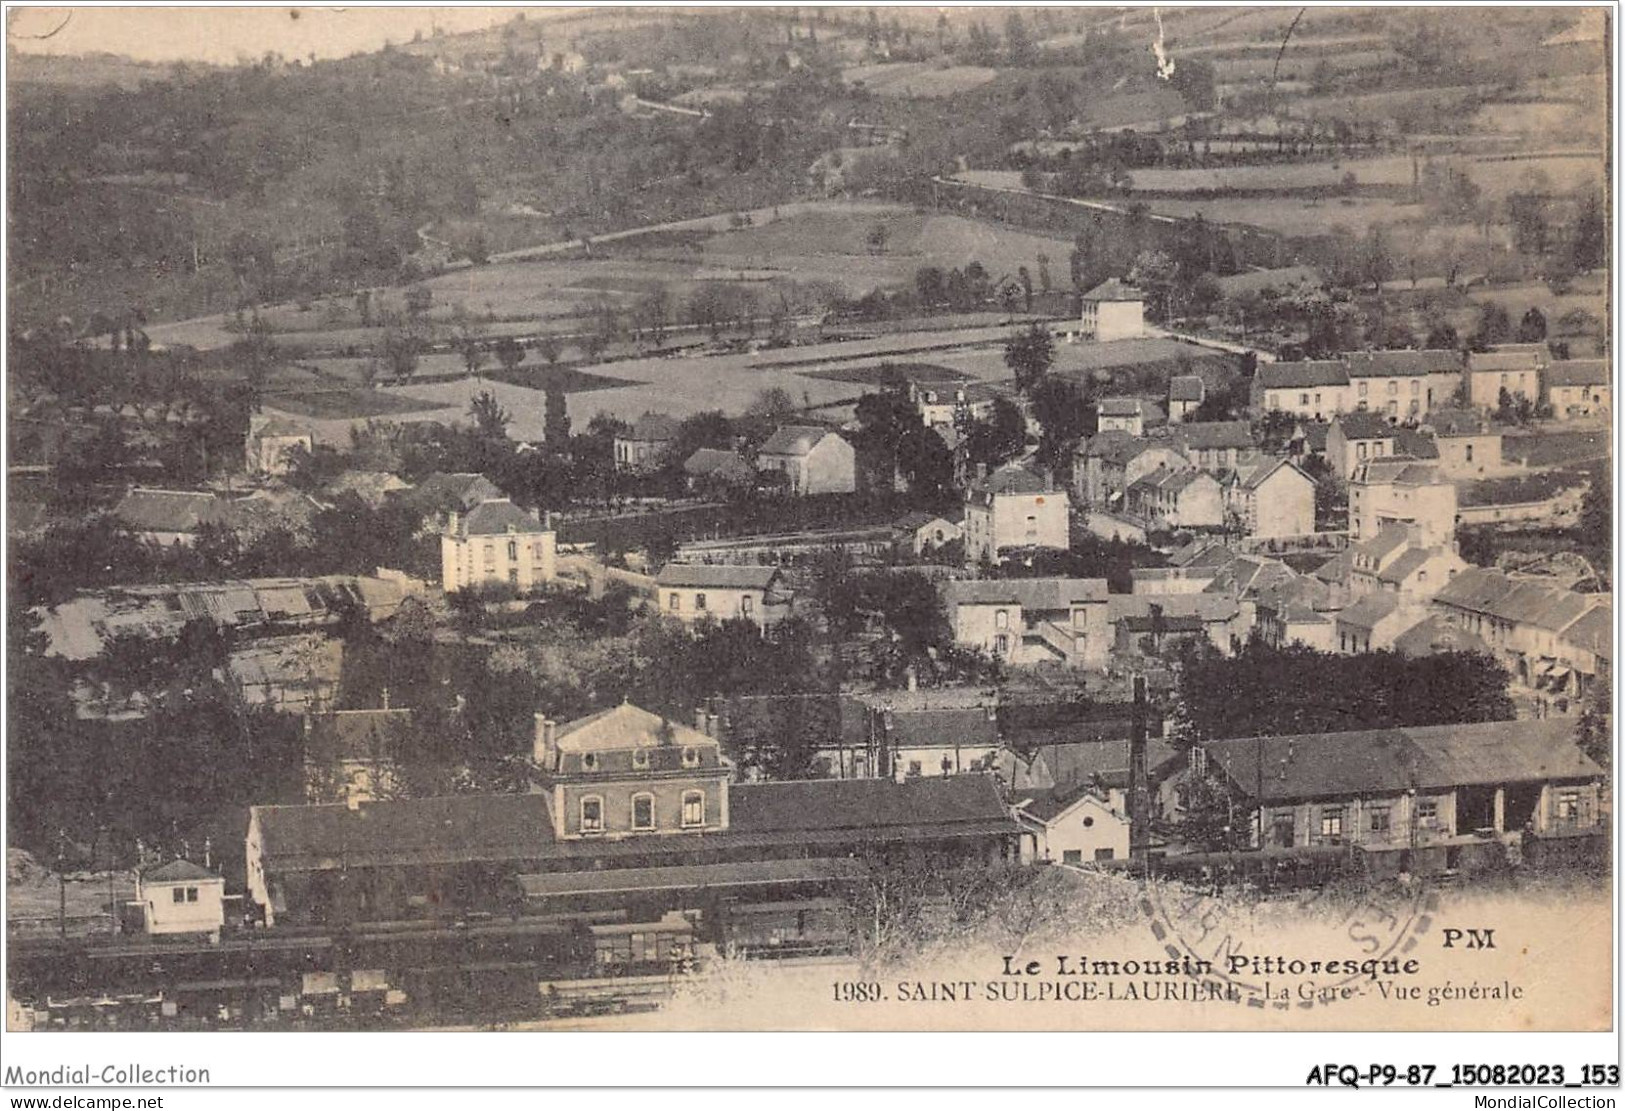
pixel 917 79
pixel 336 404
pixel 1294 216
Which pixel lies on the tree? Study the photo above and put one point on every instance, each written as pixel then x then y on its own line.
pixel 1494 325
pixel 992 441
pixel 1376 262
pixel 490 418
pixel 1064 415
pixel 510 353
pixel 1442 337
pixel 1532 328
pixel 1596 527
pixel 1030 353
pixel 1594 731
pixel 1588 249
pixel 556 421
pixel 399 352
pixel 418 300
pixel 473 355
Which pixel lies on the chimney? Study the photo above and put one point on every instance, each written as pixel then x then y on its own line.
pixel 1139 798
pixel 1049 481
pixel 384 698
pixel 913 678
pixel 547 521
pixel 545 751
pixel 453 520
pixel 702 720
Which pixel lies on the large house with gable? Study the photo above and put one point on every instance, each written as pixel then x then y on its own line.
pixel 625 804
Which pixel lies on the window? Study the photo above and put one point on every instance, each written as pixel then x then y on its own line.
pixel 1088 823
pixel 1331 821
pixel 1001 619
pixel 691 757
pixel 179 895
pixel 1381 819
pixel 1568 805
pixel 643 811
pixel 1360 450
pixel 1469 453
pixel 592 814
pixel 1393 408
pixel 1503 379
pixel 1105 854
pixel 1032 527
pixel 1393 388
pixel 1365 388
pixel 693 808
pixel 674 603
pixel 1427 810
pixel 513 551
pixel 699 602
pixel 1303 399
pixel 747 605
pixel 1416 387
pixel 947 765
pixel 1001 644
pixel 1071 856
pixel 590 761
pixel 913 767
pixel 640 758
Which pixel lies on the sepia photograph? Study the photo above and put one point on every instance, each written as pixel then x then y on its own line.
pixel 796 518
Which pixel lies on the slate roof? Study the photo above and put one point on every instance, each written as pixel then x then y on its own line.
pixel 1029 594
pixel 1399 472
pixel 1300 375
pixel 444 830
pixel 1414 444
pixel 1577 372
pixel 1257 476
pixel 1594 632
pixel 1364 425
pixel 1433 635
pixel 1405 566
pixel 1402 364
pixel 865 804
pixel 625 726
pixel 1521 601
pixel 1119 406
pixel 177 871
pixel 1169 480
pixel 1202 553
pixel 1389 539
pixel 1369 611
pixel 1186 387
pixel 710 462
pixel 1119 447
pixel 794 439
pixel 1204 607
pixel 498 517
pixel 1390 761
pixel 1475 589
pixel 718 576
pixel 1215 435
pixel 1012 478
pixel 1448 423
pixel 463 488
pixel 143 510
pixel 1072 767
pixel 1314 434
pixel 1113 290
